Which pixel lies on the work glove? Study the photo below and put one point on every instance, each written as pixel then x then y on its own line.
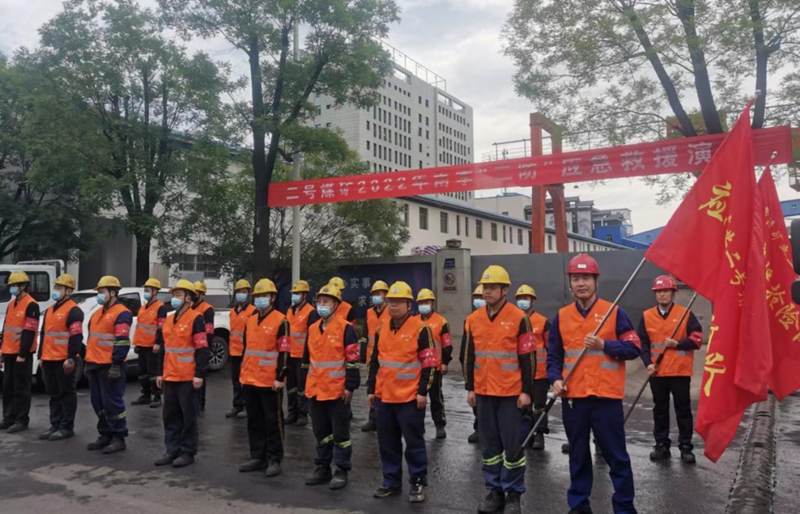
pixel 114 372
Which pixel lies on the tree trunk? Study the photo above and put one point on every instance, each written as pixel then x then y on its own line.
pixel 762 58
pixel 142 259
pixel 261 244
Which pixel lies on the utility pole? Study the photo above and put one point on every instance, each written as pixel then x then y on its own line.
pixel 296 221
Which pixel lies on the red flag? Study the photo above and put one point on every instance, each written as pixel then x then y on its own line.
pixel 784 315
pixel 714 243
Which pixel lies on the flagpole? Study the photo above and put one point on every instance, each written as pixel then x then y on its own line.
pixel 552 399
pixel 660 357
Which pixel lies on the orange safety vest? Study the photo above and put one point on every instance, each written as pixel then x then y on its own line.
pixel 147 325
pixel 56 332
pixel 327 360
pixel 298 326
pixel 435 322
pixel 238 322
pixel 202 308
pixel 597 374
pixel 537 329
pixel 344 309
pixel 676 363
pixel 102 335
pixel 15 323
pixel 260 363
pixel 400 365
pixel 179 350
pixel 497 370
pixel 373 322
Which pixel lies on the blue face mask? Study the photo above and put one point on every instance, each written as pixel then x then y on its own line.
pixel 101 298
pixel 14 290
pixel 425 309
pixel 241 297
pixel 323 310
pixel 57 295
pixel 261 303
pixel 147 296
pixel 524 304
pixel 176 303
pixel 377 300
pixel 479 303
pixel 296 299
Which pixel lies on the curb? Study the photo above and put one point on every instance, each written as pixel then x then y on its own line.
pixel 754 485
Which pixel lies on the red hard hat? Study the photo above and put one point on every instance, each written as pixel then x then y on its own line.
pixel 583 264
pixel 664 282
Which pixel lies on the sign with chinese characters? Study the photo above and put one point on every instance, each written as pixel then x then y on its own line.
pixel 359 279
pixel 450 282
pixel 670 156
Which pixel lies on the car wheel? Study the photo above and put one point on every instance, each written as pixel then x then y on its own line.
pixel 219 354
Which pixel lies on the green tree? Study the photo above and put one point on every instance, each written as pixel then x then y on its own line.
pixel 625 69
pixel 342 57
pixel 144 97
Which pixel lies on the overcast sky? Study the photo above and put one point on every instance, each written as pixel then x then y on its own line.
pixel 457 39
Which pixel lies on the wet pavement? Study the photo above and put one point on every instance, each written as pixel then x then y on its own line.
pixel 62 477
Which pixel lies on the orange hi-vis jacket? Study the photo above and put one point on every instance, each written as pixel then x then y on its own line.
pixel 400 361
pixel 676 363
pixel 238 322
pixel 15 323
pixel 497 370
pixel 373 322
pixel 260 363
pixel 56 332
pixel 436 322
pixel 102 334
pixel 597 374
pixel 147 325
pixel 298 326
pixel 344 309
pixel 328 359
pixel 202 308
pixel 538 323
pixel 179 347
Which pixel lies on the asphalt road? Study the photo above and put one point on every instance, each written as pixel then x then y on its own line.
pixel 62 477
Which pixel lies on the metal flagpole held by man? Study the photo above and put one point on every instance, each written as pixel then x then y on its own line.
pixel 296 163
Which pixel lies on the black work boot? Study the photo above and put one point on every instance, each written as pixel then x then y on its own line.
pixel 101 442
pixel 512 503
pixel 44 436
pixel 233 412
pixel 441 433
pixel 183 460
pixel 253 465
pixel 565 448
pixel 17 427
pixel 302 420
pixel 142 400
pixel 291 419
pixel 687 456
pixel 660 452
pixel 321 475
pixel 117 445
pixel 538 441
pixel 369 426
pixel 166 459
pixel 61 434
pixel 6 424
pixel 339 480
pixel 474 438
pixel 417 493
pixel 274 469
pixel 156 403
pixel 495 500
pixel 385 492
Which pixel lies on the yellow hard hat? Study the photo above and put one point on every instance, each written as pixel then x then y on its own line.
pixel 338 282
pixel 425 294
pixel 153 282
pixel 301 286
pixel 478 290
pixel 18 277
pixel 185 285
pixel 495 275
pixel 200 287
pixel 265 285
pixel 379 285
pixel 526 290
pixel 241 284
pixel 66 280
pixel 332 291
pixel 400 290
pixel 108 281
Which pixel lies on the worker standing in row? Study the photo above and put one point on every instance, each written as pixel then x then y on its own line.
pixel 477 303
pixel 401 370
pixel 345 308
pixel 301 315
pixel 330 359
pixel 376 315
pixel 60 350
pixel 147 342
pixel 440 330
pixel 183 365
pixel 106 367
pixel 239 315
pixel 540 326
pixel 264 368
pixel 500 361
pixel 674 375
pixel 207 311
pixel 592 399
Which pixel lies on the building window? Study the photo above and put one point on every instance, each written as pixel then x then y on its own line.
pixel 504 233
pixel 574 246
pixel 479 229
pixel 194 262
pixel 319 110
pixel 443 222
pixel 466 226
pixel 549 242
pixel 494 231
pixel 458 225
pixel 423 218
pixel 328 125
pixel 609 237
pixel 367 145
pixel 405 213
pixel 519 236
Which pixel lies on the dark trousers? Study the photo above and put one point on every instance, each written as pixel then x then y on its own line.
pixel 17 389
pixel 501 431
pixel 604 418
pixel 63 392
pixel 238 393
pixel 475 421
pixel 180 418
pixel 200 397
pixel 330 420
pixel 540 389
pixel 437 401
pixel 108 400
pixel 662 387
pixel 296 388
pixel 398 422
pixel 148 371
pixel 264 423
